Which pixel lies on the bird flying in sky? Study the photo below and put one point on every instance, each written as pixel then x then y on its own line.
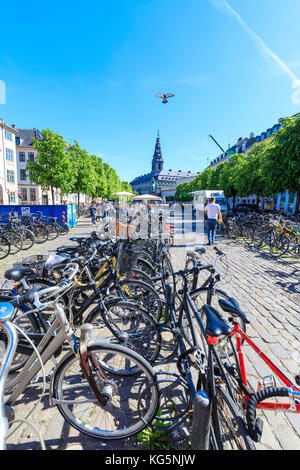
pixel 164 97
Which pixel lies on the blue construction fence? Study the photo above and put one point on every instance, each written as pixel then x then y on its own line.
pixel 67 211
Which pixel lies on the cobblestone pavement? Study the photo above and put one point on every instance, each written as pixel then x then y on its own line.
pixel 267 290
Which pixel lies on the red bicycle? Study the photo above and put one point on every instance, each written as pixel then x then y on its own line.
pixel 236 368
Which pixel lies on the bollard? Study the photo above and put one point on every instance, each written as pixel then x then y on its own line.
pixel 201 422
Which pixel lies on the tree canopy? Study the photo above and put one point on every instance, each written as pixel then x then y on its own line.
pixel 71 169
pixel 271 167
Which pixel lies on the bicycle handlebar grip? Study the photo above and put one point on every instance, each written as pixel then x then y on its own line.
pixel 255 425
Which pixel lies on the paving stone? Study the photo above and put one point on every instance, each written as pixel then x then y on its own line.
pixel 278 317
pixel 278 351
pixel 288 439
pixel 293 321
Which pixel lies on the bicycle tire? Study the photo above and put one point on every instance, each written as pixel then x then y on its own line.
pixel 15 241
pixel 279 247
pixel 4 246
pixel 229 427
pixel 28 239
pixel 141 293
pixel 132 326
pixel 120 416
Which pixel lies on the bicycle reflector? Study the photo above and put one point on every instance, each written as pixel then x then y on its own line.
pixel 213 340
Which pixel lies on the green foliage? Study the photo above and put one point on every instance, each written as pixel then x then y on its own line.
pixel 156 439
pixel 52 167
pixel 71 169
pixel 271 167
pixel 83 170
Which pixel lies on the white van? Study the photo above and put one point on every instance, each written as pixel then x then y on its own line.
pixel 202 197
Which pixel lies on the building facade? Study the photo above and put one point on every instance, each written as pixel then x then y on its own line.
pixel 8 165
pixel 285 201
pixel 30 193
pixel 159 181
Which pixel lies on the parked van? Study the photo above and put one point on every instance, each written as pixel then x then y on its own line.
pixel 201 198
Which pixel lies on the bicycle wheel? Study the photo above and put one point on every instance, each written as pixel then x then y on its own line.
pixel 129 324
pixel 28 239
pixel 247 235
pixel 4 246
pixel 192 277
pixel 53 233
pixel 15 241
pixel 167 270
pixel 229 427
pixel 123 415
pixel 63 227
pixel 141 293
pixel 279 247
pixel 40 234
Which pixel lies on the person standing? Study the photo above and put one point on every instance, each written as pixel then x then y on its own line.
pixel 93 212
pixel 213 215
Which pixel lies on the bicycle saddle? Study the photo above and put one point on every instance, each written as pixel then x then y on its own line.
pixel 214 326
pixel 67 249
pixel 231 306
pixel 200 250
pixel 16 274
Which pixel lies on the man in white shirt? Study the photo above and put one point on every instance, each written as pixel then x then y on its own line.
pixel 213 214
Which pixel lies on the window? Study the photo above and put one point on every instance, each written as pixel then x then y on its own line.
pixel 22 174
pixel 9 155
pixel 18 140
pixel 10 176
pixel 31 156
pixel 23 194
pixel 32 194
pixel 8 135
pixel 12 198
pixel 21 156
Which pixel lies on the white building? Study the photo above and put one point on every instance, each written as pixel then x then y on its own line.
pixel 8 165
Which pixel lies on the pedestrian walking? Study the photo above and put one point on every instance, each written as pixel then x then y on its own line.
pixel 214 215
pixel 106 208
pixel 100 211
pixel 93 212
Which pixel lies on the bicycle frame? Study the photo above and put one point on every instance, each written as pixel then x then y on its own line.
pixel 47 348
pixel 239 334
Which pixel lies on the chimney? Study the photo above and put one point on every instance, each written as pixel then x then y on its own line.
pixel 13 126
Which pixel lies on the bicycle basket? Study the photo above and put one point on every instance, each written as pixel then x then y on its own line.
pixel 127 258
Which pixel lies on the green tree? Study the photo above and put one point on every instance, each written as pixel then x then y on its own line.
pixel 282 165
pixel 114 184
pixel 229 176
pixel 252 176
pixel 83 171
pixel 101 185
pixel 52 167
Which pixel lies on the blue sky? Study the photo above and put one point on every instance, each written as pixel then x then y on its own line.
pixel 90 71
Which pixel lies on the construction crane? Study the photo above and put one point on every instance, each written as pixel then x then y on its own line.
pixel 223 151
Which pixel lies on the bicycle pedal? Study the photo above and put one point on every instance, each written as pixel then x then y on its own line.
pixel 267 381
